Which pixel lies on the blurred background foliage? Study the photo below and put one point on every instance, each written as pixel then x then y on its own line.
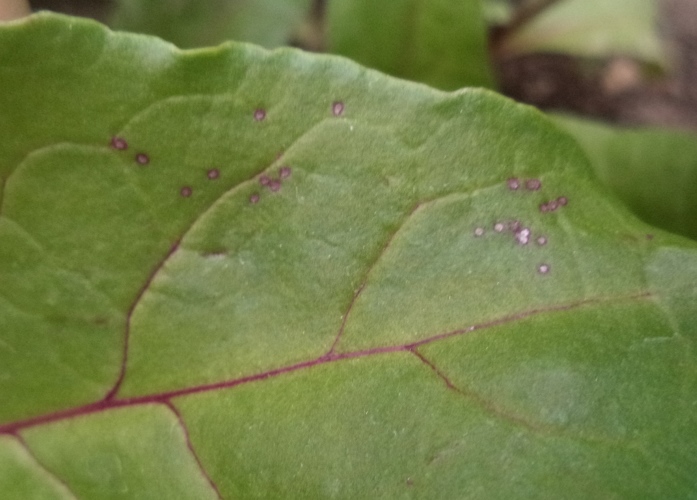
pixel 618 75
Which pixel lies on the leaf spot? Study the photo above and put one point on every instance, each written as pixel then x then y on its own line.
pixel 542 241
pixel 142 159
pixel 119 143
pixel 284 172
pixel 264 180
pixel 523 236
pixel 479 232
pixel 254 198
pixel 513 183
pixel 499 227
pixel 337 108
pixel 186 191
pixel 275 185
pixel 213 174
pixel 543 268
pixel 533 184
pixel 562 201
pixel 259 114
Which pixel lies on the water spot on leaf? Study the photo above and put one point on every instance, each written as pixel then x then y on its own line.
pixel 533 184
pixel 186 191
pixel 213 174
pixel 259 114
pixel 513 183
pixel 337 108
pixel 264 180
pixel 284 172
pixel 543 268
pixel 254 198
pixel 142 159
pixel 119 143
pixel 479 231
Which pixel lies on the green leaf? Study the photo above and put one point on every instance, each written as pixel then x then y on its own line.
pixel 353 326
pixel 193 23
pixel 592 28
pixel 438 42
pixel 653 171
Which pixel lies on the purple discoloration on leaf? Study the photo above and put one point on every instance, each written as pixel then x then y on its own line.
pixel 513 183
pixel 186 191
pixel 337 108
pixel 119 143
pixel 275 185
pixel 562 201
pixel 533 184
pixel 259 114
pixel 213 174
pixel 142 159
pixel 284 172
pixel 254 198
pixel 264 180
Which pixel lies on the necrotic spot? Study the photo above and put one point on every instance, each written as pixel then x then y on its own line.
pixel 562 201
pixel 513 183
pixel 213 173
pixel 337 108
pixel 284 172
pixel 186 191
pixel 142 158
pixel 275 185
pixel 533 184
pixel 119 143
pixel 479 231
pixel 264 180
pixel 259 114
pixel 254 198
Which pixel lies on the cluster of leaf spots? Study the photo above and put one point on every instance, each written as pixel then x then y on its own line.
pixel 523 233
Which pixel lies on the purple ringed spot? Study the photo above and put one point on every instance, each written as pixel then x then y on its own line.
pixel 533 184
pixel 337 108
pixel 264 180
pixel 259 114
pixel 119 143
pixel 142 158
pixel 499 227
pixel 186 191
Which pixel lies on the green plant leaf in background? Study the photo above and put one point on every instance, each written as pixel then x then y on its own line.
pixel 592 28
pixel 234 273
pixel 193 23
pixel 653 171
pixel 438 42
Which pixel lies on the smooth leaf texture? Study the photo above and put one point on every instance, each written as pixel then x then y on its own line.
pixel 653 171
pixel 237 273
pixel 592 28
pixel 438 42
pixel 193 23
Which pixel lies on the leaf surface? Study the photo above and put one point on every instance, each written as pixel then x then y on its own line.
pixel 438 42
pixel 653 171
pixel 238 273
pixel 192 23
